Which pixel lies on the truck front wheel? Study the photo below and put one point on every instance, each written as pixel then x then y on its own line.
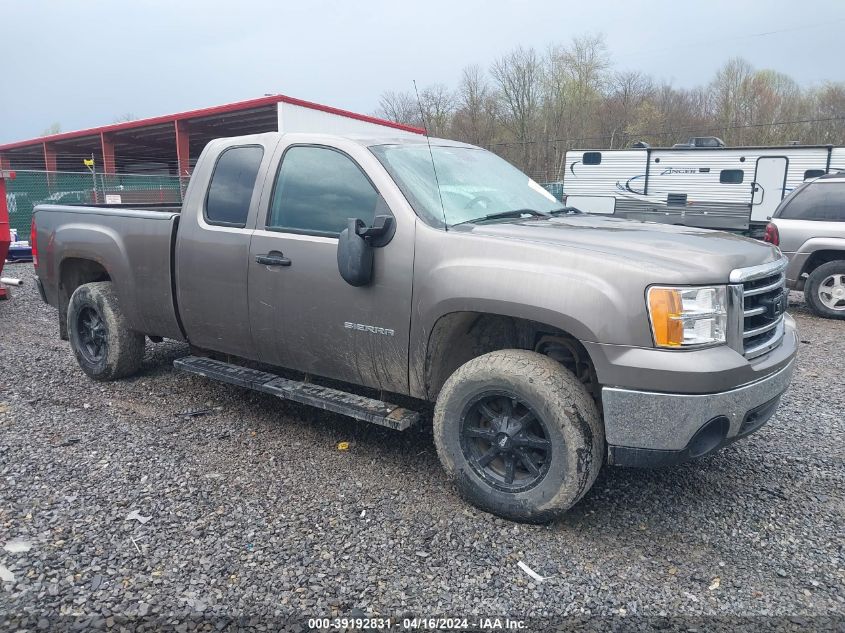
pixel 105 347
pixel 519 435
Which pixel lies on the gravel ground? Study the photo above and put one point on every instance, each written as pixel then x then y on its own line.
pixel 131 509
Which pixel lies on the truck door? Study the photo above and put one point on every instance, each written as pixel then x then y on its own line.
pixel 213 241
pixel 768 186
pixel 303 315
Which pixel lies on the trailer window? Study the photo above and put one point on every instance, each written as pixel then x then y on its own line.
pixel 731 176
pixel 591 158
pixel 317 189
pixel 232 183
pixel 813 173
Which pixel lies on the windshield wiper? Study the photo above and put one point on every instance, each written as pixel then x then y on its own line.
pixel 514 213
pixel 566 211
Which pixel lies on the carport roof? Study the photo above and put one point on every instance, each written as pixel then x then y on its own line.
pixel 236 118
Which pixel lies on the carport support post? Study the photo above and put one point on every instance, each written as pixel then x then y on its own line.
pixel 183 152
pixel 107 145
pixel 50 164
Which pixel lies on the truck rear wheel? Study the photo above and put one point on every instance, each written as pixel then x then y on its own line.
pixel 519 435
pixel 824 291
pixel 105 347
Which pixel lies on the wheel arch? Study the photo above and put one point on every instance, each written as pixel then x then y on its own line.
pixel 459 336
pixel 74 272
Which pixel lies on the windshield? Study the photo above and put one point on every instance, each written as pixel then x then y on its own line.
pixel 474 183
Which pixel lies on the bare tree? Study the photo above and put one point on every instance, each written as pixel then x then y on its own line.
pixel 125 117
pixel 827 104
pixel 575 78
pixel 533 108
pixel 621 106
pixel 731 98
pixel 438 104
pixel 475 115
pixel 432 111
pixel 400 107
pixel 53 128
pixel 518 76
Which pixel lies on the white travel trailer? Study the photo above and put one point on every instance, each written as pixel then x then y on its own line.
pixel 730 188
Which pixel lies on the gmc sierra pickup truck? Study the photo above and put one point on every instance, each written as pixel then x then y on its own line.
pixel 358 274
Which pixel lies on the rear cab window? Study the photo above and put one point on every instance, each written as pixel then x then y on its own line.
pixel 231 186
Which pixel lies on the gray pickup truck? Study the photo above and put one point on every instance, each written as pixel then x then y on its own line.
pixel 361 274
pixel 809 226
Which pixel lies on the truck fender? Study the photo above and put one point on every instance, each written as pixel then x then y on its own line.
pixel 501 324
pixel 103 246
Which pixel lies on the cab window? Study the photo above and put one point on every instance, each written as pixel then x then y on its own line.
pixel 317 189
pixel 232 183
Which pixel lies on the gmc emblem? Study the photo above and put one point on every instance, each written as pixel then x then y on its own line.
pixel 776 306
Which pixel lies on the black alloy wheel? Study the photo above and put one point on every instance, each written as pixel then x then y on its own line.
pixel 505 442
pixel 92 335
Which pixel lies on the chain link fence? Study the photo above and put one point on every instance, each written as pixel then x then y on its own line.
pixel 551 180
pixel 554 188
pixel 30 188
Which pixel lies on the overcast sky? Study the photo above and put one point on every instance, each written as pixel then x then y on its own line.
pixel 82 64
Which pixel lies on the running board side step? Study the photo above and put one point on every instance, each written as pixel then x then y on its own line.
pixel 334 400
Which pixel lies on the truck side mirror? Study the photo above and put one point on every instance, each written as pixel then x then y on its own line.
pixel 380 232
pixel 383 227
pixel 354 254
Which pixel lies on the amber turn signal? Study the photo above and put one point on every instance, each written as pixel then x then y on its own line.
pixel 666 309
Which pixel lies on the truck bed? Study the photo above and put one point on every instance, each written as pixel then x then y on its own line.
pixel 116 210
pixel 133 245
pixel 173 207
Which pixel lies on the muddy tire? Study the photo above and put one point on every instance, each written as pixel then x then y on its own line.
pixel 824 290
pixel 519 435
pixel 105 347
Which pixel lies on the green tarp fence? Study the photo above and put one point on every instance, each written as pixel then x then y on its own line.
pixel 30 188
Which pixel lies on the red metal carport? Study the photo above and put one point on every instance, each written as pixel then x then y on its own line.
pixel 171 143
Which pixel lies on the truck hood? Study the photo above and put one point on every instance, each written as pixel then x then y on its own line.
pixel 681 249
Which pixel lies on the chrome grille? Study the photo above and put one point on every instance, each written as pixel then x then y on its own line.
pixel 762 295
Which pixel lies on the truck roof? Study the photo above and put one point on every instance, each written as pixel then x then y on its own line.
pixel 367 140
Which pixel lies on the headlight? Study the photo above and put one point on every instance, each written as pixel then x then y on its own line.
pixel 686 317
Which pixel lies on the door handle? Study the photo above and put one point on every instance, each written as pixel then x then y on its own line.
pixel 273 258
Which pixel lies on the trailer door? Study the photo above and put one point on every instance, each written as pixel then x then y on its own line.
pixel 768 186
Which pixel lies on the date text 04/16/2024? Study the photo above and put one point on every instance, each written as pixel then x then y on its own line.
pixel 409 624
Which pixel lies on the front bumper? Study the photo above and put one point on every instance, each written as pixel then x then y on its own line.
pixel 651 428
